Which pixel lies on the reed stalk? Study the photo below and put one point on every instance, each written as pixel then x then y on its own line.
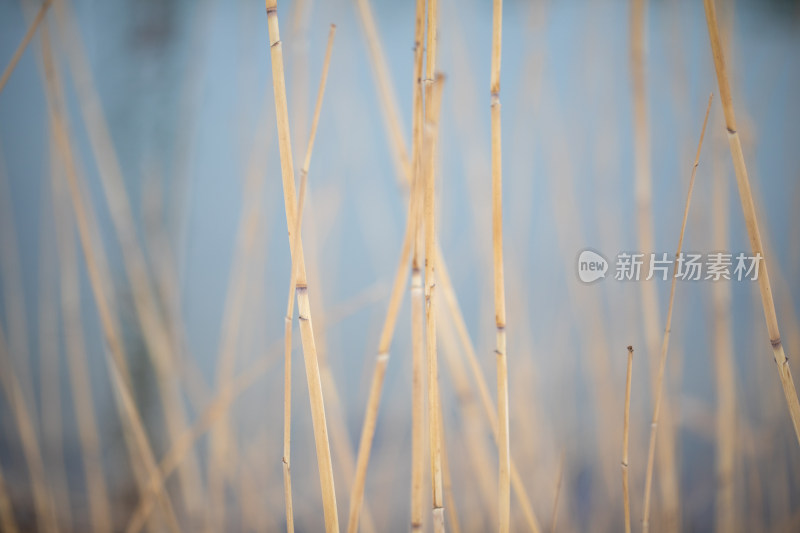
pixel 626 501
pixel 303 304
pixel 80 382
pixel 503 446
pixel 52 409
pixel 148 313
pixel 7 519
pixel 432 110
pixel 667 330
pixel 210 415
pixel 42 498
pixel 417 293
pixel 97 270
pixel 646 239
pixel 390 109
pixel 24 43
pixel 749 211
pixel 379 373
pixel 483 389
pixel 474 432
pixel 287 398
pixel 559 479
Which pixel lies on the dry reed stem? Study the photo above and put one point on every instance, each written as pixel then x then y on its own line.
pixel 417 294
pixel 452 513
pixel 504 452
pixel 7 519
pixel 50 403
pixel 667 330
pixel 376 387
pixel 149 315
pixel 287 398
pixel 748 209
pixel 483 389
pixel 13 293
pixel 248 244
pixel 211 414
pixel 80 382
pixel 389 106
pixel 474 432
pixel 42 499
pixel 726 441
pixel 433 107
pixel 214 411
pixel 646 237
pixel 97 270
pixel 559 478
pixel 303 305
pixel 398 149
pixel 24 43
pixel 626 502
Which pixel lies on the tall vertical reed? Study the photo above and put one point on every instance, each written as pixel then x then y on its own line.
pixel 626 502
pixel 749 211
pixel 145 301
pixel 432 110
pixel 142 458
pixel 667 330
pixel 303 305
pixel 42 498
pixel 503 445
pixel 651 314
pixel 287 395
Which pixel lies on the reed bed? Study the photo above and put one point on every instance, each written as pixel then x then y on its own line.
pixel 147 371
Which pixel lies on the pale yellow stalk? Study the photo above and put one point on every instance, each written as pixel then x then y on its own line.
pixel 287 397
pixel 651 315
pixel 304 308
pixel 626 502
pixel 42 498
pixel 7 519
pixel 483 388
pixel 433 107
pixel 97 270
pixel 148 313
pixel 504 451
pixel 667 330
pixel 376 387
pixel 24 43
pixel 389 106
pixel 749 211
pixel 80 383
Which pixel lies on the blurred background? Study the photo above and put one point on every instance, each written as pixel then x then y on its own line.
pixel 170 117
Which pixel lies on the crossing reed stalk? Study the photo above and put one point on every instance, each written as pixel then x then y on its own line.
pixel 287 395
pixel 303 304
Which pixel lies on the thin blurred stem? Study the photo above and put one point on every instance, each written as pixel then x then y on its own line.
pixel 667 330
pixel 42 498
pixel 24 43
pixel 97 269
